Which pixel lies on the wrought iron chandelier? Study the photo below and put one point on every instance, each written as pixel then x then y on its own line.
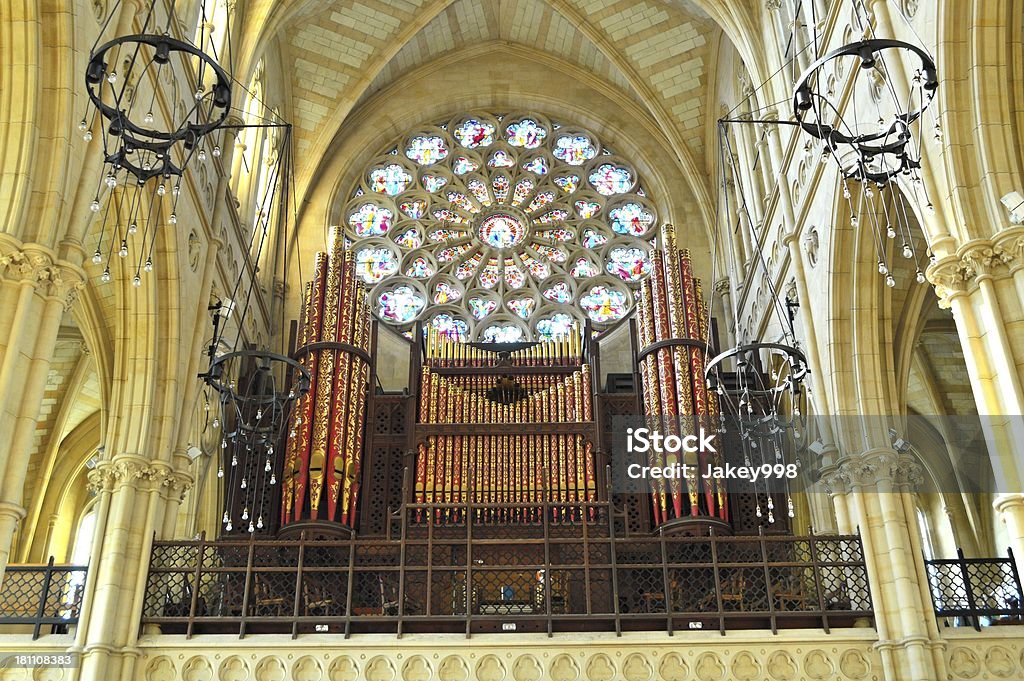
pixel 148 141
pixel 870 128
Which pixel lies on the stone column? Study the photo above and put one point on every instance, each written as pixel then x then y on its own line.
pixel 36 288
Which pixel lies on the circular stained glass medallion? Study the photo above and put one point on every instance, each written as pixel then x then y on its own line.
pixel 501 230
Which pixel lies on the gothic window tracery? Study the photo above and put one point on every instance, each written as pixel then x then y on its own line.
pixel 500 228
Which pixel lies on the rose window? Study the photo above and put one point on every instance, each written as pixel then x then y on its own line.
pixel 501 228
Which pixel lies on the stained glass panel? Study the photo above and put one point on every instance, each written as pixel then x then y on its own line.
pixel 410 238
pixel 557 325
pixel 463 165
pixel 584 269
pixel 537 166
pixel 419 268
pixel 502 231
pixel 491 274
pixel 557 234
pixel 593 238
pixel 522 307
pixel 568 183
pixel 467 267
pixel 474 133
pixel 462 201
pixel 401 304
pixel 479 190
pixel 502 333
pixel 631 218
pixel 587 209
pixel 414 208
pixel 500 185
pixel 574 149
pixel 370 220
pixel 441 235
pixel 433 183
pixel 481 307
pixel 374 264
pixel 445 293
pixel 542 199
pixel 526 133
pixel 539 270
pixel 559 292
pixel 555 255
pixel 501 159
pixel 453 253
pixel 392 179
pixel 514 276
pixel 551 217
pixel 450 216
pixel 629 263
pixel 604 304
pixel 426 149
pixel 451 327
pixel 523 189
pixel 609 179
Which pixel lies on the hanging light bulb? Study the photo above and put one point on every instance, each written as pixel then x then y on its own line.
pixel 111 180
pixel 789 504
pixel 133 227
pixel 199 93
pixel 854 220
pixel 87 136
pixel 758 510
pixel 202 154
pixel 172 218
pixel 112 77
pixel 95 205
pixel 136 281
pixel 882 269
pixel 920 277
pixel 245 513
pixel 123 251
pixel 907 251
pixel 846 192
pixel 229 526
pixel 868 191
pixel 220 472
pixel 771 517
pixel 97 258
pixel 267 466
pixel 273 479
pixel 890 232
pixel 226 518
pixel 105 277
pixel 82 125
pixel 216 152
pixel 216 422
pixel 259 523
pixel 161 189
pixel 890 281
pixel 148 267
pixel 234 460
pixel 244 484
pixel 148 118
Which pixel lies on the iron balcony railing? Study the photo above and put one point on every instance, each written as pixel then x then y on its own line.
pixel 565 571
pixel 974 591
pixel 41 595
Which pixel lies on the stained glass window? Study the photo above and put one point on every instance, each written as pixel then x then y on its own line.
pixel 526 133
pixel 557 325
pixel 450 326
pixel 374 264
pixel 502 333
pixel 503 233
pixel 629 263
pixel 401 304
pixel 370 220
pixel 609 179
pixel 474 133
pixel 392 179
pixel 574 149
pixel 631 219
pixel 426 150
pixel 414 208
pixel 605 304
pixel 445 293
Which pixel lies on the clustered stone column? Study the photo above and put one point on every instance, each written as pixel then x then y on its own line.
pixel 36 288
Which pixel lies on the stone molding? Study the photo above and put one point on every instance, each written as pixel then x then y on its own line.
pixel 51 278
pixel 977 260
pixel 139 473
pixel 871 468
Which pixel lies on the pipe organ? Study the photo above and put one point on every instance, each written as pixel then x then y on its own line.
pixel 513 433
pixel 672 331
pixel 507 425
pixel 323 457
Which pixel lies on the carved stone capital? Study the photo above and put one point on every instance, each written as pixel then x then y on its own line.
pixel 723 287
pixel 129 470
pixel 878 470
pixel 52 279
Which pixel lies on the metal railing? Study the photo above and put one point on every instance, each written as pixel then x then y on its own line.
pixel 972 590
pixel 40 595
pixel 469 577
